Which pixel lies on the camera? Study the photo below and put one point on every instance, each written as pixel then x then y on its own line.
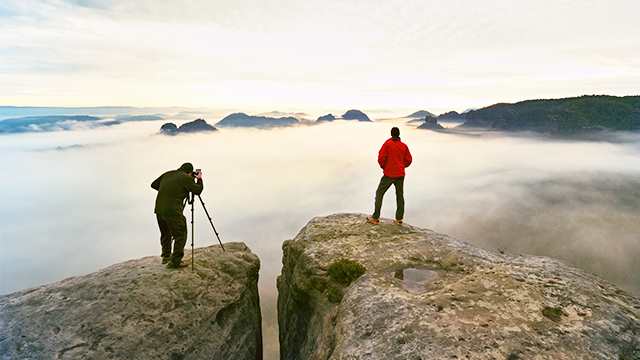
pixel 196 172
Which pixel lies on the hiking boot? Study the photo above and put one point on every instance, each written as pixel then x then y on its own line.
pixel 398 222
pixel 373 220
pixel 172 265
pixel 166 259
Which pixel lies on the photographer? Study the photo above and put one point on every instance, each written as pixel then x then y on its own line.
pixel 173 188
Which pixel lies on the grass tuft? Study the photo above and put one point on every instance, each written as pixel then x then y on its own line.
pixel 334 294
pixel 552 313
pixel 344 271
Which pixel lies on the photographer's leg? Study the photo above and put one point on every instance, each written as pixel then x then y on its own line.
pixel 165 237
pixel 178 226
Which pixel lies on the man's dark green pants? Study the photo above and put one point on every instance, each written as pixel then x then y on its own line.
pixel 385 183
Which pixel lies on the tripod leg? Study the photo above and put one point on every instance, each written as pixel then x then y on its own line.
pixel 192 234
pixel 211 222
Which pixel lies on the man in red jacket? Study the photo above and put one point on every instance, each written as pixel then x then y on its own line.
pixel 393 157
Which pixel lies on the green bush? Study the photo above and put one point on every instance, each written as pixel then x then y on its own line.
pixel 344 271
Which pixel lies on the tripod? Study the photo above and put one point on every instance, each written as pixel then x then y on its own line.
pixel 192 201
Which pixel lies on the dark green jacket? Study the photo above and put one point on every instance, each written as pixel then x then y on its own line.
pixel 173 187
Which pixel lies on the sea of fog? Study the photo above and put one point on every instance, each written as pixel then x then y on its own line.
pixel 73 202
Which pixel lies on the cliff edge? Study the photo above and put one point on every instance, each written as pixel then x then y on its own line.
pixel 425 295
pixel 139 309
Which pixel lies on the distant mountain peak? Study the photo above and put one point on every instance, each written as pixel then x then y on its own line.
pixel 420 114
pixel 328 117
pixel 355 115
pixel 198 125
pixel 261 122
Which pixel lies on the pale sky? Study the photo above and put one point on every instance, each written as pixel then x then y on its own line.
pixel 300 55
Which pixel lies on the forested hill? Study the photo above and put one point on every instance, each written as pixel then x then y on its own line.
pixel 568 115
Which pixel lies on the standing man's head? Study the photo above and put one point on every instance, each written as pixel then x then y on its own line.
pixel 187 167
pixel 395 133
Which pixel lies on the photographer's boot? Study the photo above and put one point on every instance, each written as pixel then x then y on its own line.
pixel 172 265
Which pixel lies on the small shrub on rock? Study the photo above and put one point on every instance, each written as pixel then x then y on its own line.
pixel 552 313
pixel 344 271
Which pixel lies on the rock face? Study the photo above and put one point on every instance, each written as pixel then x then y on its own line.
pixel 428 296
pixel 139 309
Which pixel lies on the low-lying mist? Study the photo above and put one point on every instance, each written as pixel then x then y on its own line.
pixel 73 202
pixel 77 201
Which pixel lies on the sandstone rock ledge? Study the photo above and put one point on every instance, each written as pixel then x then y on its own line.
pixel 428 296
pixel 139 309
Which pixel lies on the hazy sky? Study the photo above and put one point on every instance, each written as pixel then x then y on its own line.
pixel 300 55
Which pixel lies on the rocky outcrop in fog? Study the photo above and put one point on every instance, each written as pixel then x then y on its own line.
pixel 425 295
pixel 252 121
pixel 355 115
pixel 349 115
pixel 451 115
pixel 195 126
pixel 328 117
pixel 139 309
pixel 430 123
pixel 420 114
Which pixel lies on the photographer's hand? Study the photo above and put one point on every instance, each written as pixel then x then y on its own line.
pixel 199 176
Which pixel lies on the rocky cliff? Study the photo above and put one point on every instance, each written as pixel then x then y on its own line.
pixel 139 309
pixel 425 295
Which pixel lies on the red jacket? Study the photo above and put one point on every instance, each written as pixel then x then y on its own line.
pixel 393 157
